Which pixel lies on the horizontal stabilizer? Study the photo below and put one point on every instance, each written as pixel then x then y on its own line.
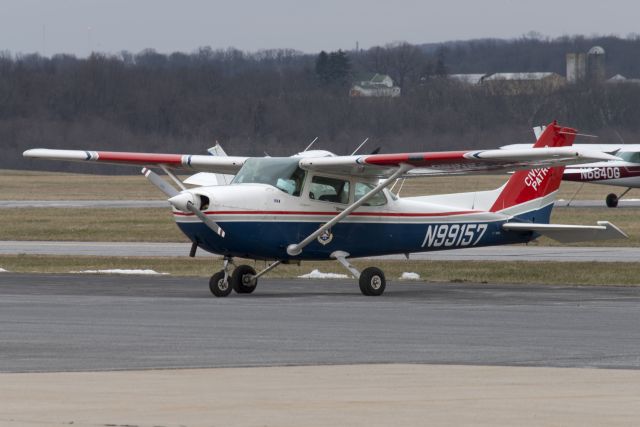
pixel 571 233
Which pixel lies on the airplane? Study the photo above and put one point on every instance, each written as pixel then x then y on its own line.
pixel 318 206
pixel 624 172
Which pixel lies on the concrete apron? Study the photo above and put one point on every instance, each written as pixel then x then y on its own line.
pixel 353 395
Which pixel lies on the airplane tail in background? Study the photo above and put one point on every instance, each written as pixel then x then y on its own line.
pixel 531 189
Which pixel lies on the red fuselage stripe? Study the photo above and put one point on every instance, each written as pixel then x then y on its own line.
pixel 374 214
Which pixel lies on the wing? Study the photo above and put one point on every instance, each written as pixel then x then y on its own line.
pixel 453 162
pixel 216 164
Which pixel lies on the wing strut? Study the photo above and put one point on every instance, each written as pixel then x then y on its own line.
pixel 173 177
pixel 296 249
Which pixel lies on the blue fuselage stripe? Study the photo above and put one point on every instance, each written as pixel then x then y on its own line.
pixel 269 240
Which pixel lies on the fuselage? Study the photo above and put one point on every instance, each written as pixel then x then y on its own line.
pixel 261 220
pixel 622 173
pixel 618 173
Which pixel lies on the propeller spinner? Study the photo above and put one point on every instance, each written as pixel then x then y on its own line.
pixel 184 200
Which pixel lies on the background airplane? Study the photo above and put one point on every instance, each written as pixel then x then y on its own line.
pixel 318 206
pixel 624 172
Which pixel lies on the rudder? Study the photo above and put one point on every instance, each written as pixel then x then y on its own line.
pixel 528 185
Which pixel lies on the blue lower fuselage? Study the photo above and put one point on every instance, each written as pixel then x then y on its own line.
pixel 269 239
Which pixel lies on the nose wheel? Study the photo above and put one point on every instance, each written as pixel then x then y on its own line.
pixel 243 279
pixel 219 284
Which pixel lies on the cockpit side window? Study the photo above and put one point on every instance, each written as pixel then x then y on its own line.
pixel 362 188
pixel 328 189
pixel 629 156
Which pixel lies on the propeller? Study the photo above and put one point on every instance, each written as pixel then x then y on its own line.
pixel 160 183
pixel 184 201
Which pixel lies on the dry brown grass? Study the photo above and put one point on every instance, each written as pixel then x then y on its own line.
pixel 515 272
pixel 29 185
pixel 88 225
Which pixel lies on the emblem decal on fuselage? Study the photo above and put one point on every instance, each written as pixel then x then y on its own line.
pixel 326 237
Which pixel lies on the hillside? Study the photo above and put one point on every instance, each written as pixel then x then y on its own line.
pixel 275 101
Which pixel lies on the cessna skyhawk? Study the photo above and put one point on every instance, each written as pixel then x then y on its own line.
pixel 318 206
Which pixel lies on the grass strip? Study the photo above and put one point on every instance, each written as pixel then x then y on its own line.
pixel 515 272
pixel 34 185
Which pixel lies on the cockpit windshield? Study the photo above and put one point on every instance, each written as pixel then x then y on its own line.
pixel 280 172
pixel 629 156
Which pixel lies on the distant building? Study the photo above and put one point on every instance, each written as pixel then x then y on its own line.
pixel 619 78
pixel 470 79
pixel 374 85
pixel 588 66
pixel 524 82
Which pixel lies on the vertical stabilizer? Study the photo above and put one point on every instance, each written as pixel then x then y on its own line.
pixel 536 185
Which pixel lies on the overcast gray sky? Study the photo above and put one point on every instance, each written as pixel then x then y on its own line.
pixel 80 26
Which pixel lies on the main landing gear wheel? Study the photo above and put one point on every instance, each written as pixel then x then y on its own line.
pixel 612 200
pixel 372 281
pixel 218 285
pixel 242 279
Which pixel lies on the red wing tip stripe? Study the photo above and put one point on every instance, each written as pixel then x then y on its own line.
pixel 138 157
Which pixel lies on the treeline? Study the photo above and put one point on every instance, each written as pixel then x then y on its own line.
pixel 536 53
pixel 277 101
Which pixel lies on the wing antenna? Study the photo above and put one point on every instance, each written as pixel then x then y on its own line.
pixel 312 142
pixel 360 146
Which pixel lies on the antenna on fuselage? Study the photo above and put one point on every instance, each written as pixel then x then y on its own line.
pixel 619 136
pixel 312 142
pixel 360 146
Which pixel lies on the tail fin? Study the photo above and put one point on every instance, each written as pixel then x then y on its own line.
pixel 529 185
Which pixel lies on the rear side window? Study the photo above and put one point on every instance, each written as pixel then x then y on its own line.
pixel 328 189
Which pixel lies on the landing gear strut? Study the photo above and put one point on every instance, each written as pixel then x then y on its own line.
pixel 371 280
pixel 612 200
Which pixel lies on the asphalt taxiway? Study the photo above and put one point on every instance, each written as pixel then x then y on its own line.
pixel 99 322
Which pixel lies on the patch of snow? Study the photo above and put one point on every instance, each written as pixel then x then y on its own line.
pixel 120 271
pixel 316 274
pixel 2 270
pixel 410 276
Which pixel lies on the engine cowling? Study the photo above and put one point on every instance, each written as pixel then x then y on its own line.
pixel 181 201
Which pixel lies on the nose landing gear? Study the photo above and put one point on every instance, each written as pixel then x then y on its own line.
pixel 243 279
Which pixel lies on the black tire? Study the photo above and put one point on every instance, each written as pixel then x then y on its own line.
pixel 612 200
pixel 218 286
pixel 242 279
pixel 372 282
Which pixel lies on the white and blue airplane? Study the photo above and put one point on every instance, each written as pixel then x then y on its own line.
pixel 318 206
